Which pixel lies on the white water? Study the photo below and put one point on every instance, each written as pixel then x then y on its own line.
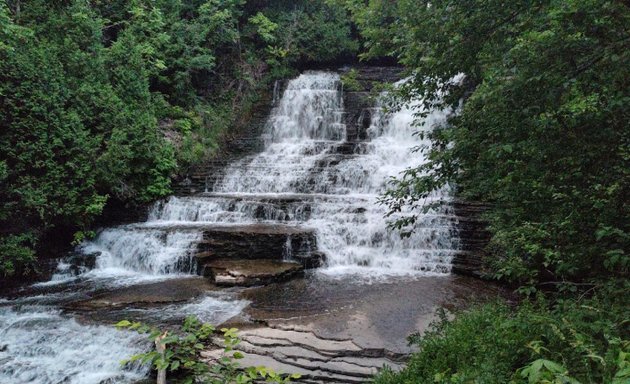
pixel 40 346
pixel 298 133
pixel 302 178
pixel 151 251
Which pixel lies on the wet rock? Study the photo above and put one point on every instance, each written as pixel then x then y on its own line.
pixel 74 264
pixel 317 359
pixel 311 259
pixel 246 273
pixel 83 259
pixel 259 241
pixel 473 238
pixel 163 292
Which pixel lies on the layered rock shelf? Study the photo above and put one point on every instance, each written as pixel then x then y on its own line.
pixel 473 237
pixel 259 242
pixel 317 359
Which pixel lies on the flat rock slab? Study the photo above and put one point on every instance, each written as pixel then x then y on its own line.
pixel 162 292
pixel 247 273
pixel 333 330
pixel 377 315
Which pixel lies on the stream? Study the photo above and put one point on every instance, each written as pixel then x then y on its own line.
pixel 310 176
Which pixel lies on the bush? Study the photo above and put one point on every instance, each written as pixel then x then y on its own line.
pixel 569 341
pixel 16 254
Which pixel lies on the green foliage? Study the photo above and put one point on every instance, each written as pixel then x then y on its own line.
pixel 181 356
pixel 571 341
pixel 350 81
pixel 543 133
pixel 311 31
pixel 110 99
pixel 80 236
pixel 16 254
pixel 264 27
pixel 77 118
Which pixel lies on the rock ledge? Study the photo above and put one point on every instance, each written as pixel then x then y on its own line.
pixel 247 273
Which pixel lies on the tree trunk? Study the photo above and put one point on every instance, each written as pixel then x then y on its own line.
pixel 161 348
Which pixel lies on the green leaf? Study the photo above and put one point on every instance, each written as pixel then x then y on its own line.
pixel 123 324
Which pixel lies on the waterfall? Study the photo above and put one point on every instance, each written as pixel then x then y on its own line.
pixel 308 175
pixel 298 136
pixel 353 232
pixel 152 251
pixel 311 175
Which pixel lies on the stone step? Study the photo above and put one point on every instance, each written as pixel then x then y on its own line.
pixel 259 241
pixel 268 241
pixel 465 232
pixel 351 148
pixel 320 165
pixel 472 244
pixel 307 376
pixel 286 197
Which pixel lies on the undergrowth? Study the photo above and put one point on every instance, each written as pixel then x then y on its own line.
pixel 583 340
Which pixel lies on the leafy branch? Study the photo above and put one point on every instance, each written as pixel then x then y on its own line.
pixel 179 354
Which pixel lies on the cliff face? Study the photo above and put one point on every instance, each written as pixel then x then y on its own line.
pixel 473 238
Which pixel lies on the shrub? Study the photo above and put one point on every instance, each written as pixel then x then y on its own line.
pixel 181 355
pixel 568 341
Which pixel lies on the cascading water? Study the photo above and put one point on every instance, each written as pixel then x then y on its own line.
pixel 40 346
pixel 306 176
pixel 152 251
pixel 298 138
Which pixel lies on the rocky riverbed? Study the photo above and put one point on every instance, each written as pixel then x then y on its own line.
pixel 344 330
pixel 329 329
